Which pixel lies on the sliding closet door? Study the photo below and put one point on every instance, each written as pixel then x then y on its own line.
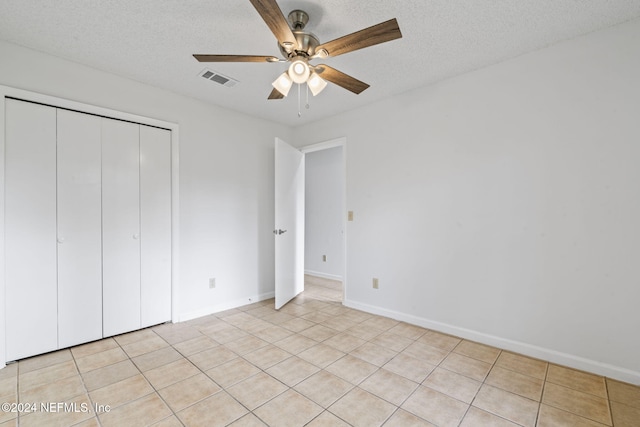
pixel 79 229
pixel 155 223
pixel 30 229
pixel 120 227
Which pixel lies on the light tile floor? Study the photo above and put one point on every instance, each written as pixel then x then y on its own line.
pixel 314 362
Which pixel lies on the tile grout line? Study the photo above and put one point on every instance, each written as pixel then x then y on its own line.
pixel 130 359
pixel 21 415
pixel 18 392
pixel 153 387
pixel 75 362
pixel 606 389
pixel 484 381
pixel 544 385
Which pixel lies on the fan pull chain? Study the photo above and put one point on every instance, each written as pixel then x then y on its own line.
pixel 299 112
pixel 307 105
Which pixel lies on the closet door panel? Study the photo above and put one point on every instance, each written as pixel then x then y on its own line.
pixel 30 229
pixel 79 229
pixel 155 223
pixel 120 227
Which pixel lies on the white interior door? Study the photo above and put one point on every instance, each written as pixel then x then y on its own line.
pixel 79 229
pixel 289 226
pixel 30 229
pixel 120 227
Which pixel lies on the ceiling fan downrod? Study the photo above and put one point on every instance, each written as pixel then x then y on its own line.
pixel 298 19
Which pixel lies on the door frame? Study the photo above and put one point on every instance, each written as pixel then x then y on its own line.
pixel 333 143
pixel 24 95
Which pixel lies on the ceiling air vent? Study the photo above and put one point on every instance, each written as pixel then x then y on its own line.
pixel 216 77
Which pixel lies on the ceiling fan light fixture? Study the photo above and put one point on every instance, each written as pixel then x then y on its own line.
pixel 283 83
pixel 299 71
pixel 316 84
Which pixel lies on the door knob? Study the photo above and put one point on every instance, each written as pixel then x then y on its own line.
pixel 279 231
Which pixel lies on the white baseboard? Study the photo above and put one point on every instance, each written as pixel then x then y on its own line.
pixel 323 275
pixel 183 317
pixel 565 359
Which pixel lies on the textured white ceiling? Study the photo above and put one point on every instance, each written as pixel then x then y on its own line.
pixel 152 41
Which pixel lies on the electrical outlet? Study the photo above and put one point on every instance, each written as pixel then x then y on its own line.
pixel 375 283
pixel 324 258
pixel 212 283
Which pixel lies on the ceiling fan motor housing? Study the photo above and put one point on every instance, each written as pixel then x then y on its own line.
pixel 307 42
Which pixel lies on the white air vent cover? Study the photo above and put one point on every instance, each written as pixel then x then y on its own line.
pixel 216 77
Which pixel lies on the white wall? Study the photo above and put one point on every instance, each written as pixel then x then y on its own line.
pixel 226 176
pixel 503 205
pixel 324 186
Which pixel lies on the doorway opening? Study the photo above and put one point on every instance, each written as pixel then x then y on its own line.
pixel 318 235
pixel 325 220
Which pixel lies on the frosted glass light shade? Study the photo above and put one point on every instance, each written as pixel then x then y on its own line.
pixel 316 84
pixel 283 83
pixel 299 71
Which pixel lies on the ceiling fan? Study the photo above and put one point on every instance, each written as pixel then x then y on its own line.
pixel 299 47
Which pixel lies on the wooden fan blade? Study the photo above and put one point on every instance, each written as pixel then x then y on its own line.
pixel 340 78
pixel 380 33
pixel 275 94
pixel 275 20
pixel 235 58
